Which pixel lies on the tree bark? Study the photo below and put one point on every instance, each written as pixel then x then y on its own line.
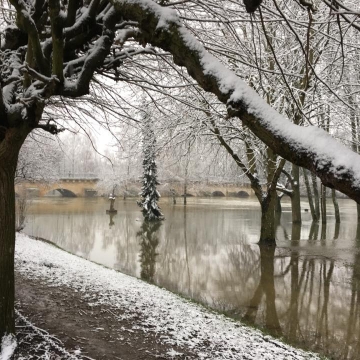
pixel 267 231
pixel 9 151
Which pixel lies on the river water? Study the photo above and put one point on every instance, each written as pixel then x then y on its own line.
pixel 306 291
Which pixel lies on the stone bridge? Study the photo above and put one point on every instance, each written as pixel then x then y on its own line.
pixel 70 186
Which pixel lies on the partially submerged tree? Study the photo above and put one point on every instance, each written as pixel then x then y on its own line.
pixel 149 194
pixel 265 192
pixel 55 49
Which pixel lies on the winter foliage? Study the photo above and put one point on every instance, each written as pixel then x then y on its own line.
pixel 38 160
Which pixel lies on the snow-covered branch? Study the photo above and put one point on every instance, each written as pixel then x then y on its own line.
pixel 309 147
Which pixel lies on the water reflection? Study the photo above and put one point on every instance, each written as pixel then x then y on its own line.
pixel 265 288
pixel 306 290
pixel 111 219
pixel 148 243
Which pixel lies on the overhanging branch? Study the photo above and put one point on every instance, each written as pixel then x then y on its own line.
pixel 337 166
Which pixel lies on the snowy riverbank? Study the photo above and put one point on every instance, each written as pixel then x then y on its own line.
pixel 180 323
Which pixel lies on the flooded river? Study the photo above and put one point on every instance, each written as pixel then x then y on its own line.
pixel 307 291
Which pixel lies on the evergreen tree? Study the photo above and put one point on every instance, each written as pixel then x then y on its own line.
pixel 149 193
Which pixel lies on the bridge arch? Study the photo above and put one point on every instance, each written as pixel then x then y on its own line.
pixel 61 192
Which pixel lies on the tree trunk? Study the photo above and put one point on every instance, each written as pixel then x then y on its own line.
pixel 186 180
pixel 185 190
pixel 267 232
pixel 310 196
pixel 314 231
pixel 323 204
pixel 336 206
pixel 295 198
pixel 278 208
pixel 316 195
pixel 9 150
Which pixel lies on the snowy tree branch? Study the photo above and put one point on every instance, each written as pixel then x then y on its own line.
pixel 334 164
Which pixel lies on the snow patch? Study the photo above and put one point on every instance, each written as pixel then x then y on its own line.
pixel 166 15
pixel 8 346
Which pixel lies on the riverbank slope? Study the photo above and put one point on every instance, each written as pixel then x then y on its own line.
pixel 89 311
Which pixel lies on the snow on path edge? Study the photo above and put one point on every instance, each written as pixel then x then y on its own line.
pixel 178 321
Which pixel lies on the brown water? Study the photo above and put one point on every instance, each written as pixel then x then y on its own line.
pixel 307 291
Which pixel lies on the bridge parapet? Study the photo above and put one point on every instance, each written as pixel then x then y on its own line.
pixel 79 177
pixel 67 187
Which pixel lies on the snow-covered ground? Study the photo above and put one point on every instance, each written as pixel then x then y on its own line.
pixel 178 321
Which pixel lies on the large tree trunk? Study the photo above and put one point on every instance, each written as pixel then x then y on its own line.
pixel 267 231
pixel 295 198
pixel 9 150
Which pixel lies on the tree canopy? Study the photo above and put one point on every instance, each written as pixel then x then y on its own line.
pixel 40 63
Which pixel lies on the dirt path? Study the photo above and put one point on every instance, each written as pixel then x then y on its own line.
pixel 98 332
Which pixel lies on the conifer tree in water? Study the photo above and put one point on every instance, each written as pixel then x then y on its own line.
pixel 149 193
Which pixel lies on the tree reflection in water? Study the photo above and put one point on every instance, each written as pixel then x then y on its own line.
pixel 266 287
pixel 352 343
pixel 294 296
pixel 149 241
pixel 111 220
